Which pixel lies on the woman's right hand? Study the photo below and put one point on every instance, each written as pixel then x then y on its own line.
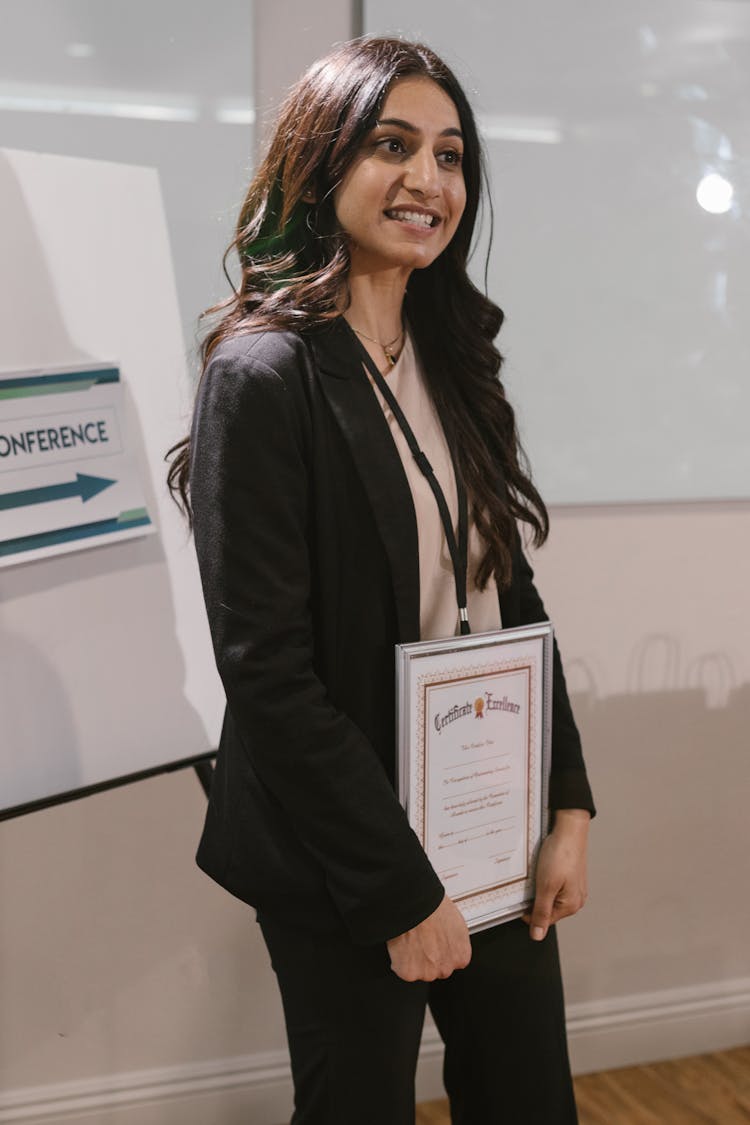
pixel 434 948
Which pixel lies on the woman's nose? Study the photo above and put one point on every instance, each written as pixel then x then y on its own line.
pixel 422 174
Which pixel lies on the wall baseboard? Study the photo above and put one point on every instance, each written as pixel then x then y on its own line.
pixel 664 1024
pixel 614 1032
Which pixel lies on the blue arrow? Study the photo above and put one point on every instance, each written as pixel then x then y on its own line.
pixel 83 486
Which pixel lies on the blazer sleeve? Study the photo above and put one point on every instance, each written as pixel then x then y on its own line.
pixel 250 477
pixel 569 787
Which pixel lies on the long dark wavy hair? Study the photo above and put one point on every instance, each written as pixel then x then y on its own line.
pixel 294 260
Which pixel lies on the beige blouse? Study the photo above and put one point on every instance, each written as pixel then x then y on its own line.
pixel 438 611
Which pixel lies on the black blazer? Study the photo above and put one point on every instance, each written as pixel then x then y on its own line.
pixel 307 545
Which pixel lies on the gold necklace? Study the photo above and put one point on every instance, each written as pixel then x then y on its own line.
pixel 387 348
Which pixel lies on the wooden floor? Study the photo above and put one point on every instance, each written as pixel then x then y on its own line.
pixel 703 1090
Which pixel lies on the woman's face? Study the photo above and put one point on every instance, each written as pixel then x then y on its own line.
pixel 402 198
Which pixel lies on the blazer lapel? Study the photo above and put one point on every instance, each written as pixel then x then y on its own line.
pixel 363 425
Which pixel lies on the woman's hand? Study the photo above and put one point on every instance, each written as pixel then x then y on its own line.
pixel 434 948
pixel 561 887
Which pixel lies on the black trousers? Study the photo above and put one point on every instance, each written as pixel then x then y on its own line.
pixel 354 1030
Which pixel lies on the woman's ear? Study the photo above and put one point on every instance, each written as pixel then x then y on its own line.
pixel 308 195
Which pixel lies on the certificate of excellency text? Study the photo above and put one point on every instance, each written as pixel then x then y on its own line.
pixel 474 719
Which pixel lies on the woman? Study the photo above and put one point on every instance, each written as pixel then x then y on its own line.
pixel 320 549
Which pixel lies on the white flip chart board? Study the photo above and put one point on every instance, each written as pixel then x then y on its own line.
pixel 106 668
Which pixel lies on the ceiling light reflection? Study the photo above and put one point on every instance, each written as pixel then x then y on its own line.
pixel 122 104
pixel 97 103
pixel 692 92
pixel 238 113
pixel 534 130
pixel 80 50
pixel 648 38
pixel 714 194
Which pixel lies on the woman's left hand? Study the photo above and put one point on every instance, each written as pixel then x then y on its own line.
pixel 561 886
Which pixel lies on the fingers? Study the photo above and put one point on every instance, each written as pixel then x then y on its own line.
pixel 419 969
pixel 561 872
pixel 435 948
pixel 417 965
pixel 541 915
pixel 423 968
pixel 546 912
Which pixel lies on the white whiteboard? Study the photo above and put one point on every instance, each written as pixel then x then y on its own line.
pixel 627 337
pixel 106 667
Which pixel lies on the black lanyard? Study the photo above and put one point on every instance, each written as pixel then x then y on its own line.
pixel 458 550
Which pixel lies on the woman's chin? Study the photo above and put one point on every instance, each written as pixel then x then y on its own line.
pixel 405 258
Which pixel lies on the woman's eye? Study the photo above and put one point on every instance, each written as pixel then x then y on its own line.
pixel 395 146
pixel 392 145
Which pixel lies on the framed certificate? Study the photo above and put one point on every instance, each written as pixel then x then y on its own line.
pixel 474 720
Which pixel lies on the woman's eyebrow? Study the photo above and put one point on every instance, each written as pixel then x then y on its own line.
pixel 409 128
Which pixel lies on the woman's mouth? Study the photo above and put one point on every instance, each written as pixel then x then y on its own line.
pixel 418 218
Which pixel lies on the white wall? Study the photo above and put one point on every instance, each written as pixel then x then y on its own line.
pixel 652 609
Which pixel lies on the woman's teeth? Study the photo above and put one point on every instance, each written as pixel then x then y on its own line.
pixel 412 217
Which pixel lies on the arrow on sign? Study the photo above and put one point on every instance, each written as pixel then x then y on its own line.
pixel 83 486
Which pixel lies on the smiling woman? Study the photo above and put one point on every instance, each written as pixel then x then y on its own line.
pixel 321 547
pixel 403 197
